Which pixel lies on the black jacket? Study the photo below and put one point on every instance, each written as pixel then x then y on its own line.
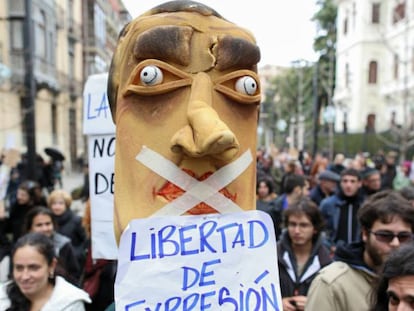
pixel 292 284
pixel 70 225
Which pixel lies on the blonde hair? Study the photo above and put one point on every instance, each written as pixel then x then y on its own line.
pixel 59 194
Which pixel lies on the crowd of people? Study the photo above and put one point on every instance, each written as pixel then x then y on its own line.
pixel 45 252
pixel 339 228
pixel 337 224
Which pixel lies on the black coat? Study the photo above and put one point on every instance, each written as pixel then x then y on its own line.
pixel 292 284
pixel 70 225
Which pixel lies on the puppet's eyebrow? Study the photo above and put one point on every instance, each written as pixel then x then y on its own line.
pixel 167 43
pixel 237 53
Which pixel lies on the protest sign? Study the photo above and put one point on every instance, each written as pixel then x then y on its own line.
pixel 99 127
pixel 205 262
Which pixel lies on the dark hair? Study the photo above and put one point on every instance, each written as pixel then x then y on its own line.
pixel 268 183
pixel 45 247
pixel 31 214
pixel 384 206
pixel 292 181
pixel 30 187
pixel 351 172
pixel 307 207
pixel 407 192
pixel 399 263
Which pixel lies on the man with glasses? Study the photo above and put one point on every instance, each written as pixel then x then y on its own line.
pixel 301 253
pixel 387 221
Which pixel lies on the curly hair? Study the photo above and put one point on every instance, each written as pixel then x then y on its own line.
pixel 399 263
pixel 384 206
pixel 307 207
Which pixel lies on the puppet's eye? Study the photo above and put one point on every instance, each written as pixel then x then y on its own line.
pixel 246 85
pixel 151 75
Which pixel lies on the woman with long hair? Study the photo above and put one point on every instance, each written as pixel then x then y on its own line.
pixel 34 285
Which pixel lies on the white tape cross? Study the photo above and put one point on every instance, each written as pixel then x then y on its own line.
pixel 196 191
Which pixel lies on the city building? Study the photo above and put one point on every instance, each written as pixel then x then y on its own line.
pixel 374 64
pixel 43 67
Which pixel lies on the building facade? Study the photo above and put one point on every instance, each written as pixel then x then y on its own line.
pixel 68 41
pixel 375 64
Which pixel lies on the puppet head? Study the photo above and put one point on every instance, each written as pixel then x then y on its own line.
pixel 184 95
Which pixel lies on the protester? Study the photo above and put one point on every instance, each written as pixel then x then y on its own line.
pixel 301 253
pixel 289 168
pixel 326 186
pixel 99 274
pixel 395 288
pixel 266 201
pixel 24 202
pixel 387 221
pixel 295 187
pixel 371 182
pixel 338 164
pixel 340 210
pixel 40 219
pixel 68 223
pixel 388 170
pixel 34 285
pixel 408 193
pixel 402 177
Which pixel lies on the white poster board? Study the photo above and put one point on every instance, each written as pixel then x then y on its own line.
pixel 206 262
pixel 99 127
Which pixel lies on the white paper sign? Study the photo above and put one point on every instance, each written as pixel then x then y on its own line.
pixel 97 118
pixel 99 127
pixel 101 189
pixel 206 262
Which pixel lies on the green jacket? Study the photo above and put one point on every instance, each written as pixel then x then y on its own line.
pixel 340 287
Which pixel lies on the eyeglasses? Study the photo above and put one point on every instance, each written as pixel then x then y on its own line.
pixel 301 225
pixel 388 236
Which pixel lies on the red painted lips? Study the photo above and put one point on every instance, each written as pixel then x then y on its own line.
pixel 170 192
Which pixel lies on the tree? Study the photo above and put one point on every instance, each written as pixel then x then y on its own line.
pixel 325 45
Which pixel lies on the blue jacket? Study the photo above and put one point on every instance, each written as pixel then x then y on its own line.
pixel 331 211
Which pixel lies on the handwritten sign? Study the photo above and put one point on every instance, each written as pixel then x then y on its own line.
pixel 101 189
pixel 206 262
pixel 97 118
pixel 100 129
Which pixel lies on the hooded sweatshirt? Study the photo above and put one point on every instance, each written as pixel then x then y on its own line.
pixel 65 297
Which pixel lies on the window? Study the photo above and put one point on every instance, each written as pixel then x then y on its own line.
pixel 345 25
pixel 376 13
pixel 347 73
pixel 16 27
pixel 54 123
pixel 398 12
pixel 396 65
pixel 372 74
pixel 40 34
pixel 412 59
pixel 71 59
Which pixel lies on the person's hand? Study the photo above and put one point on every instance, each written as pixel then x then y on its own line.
pixel 288 305
pixel 294 303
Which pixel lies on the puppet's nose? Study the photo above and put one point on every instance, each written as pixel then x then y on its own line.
pixel 205 134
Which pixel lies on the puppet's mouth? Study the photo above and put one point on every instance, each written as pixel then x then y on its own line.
pixel 170 192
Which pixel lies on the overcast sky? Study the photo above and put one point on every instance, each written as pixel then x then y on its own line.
pixel 283 29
